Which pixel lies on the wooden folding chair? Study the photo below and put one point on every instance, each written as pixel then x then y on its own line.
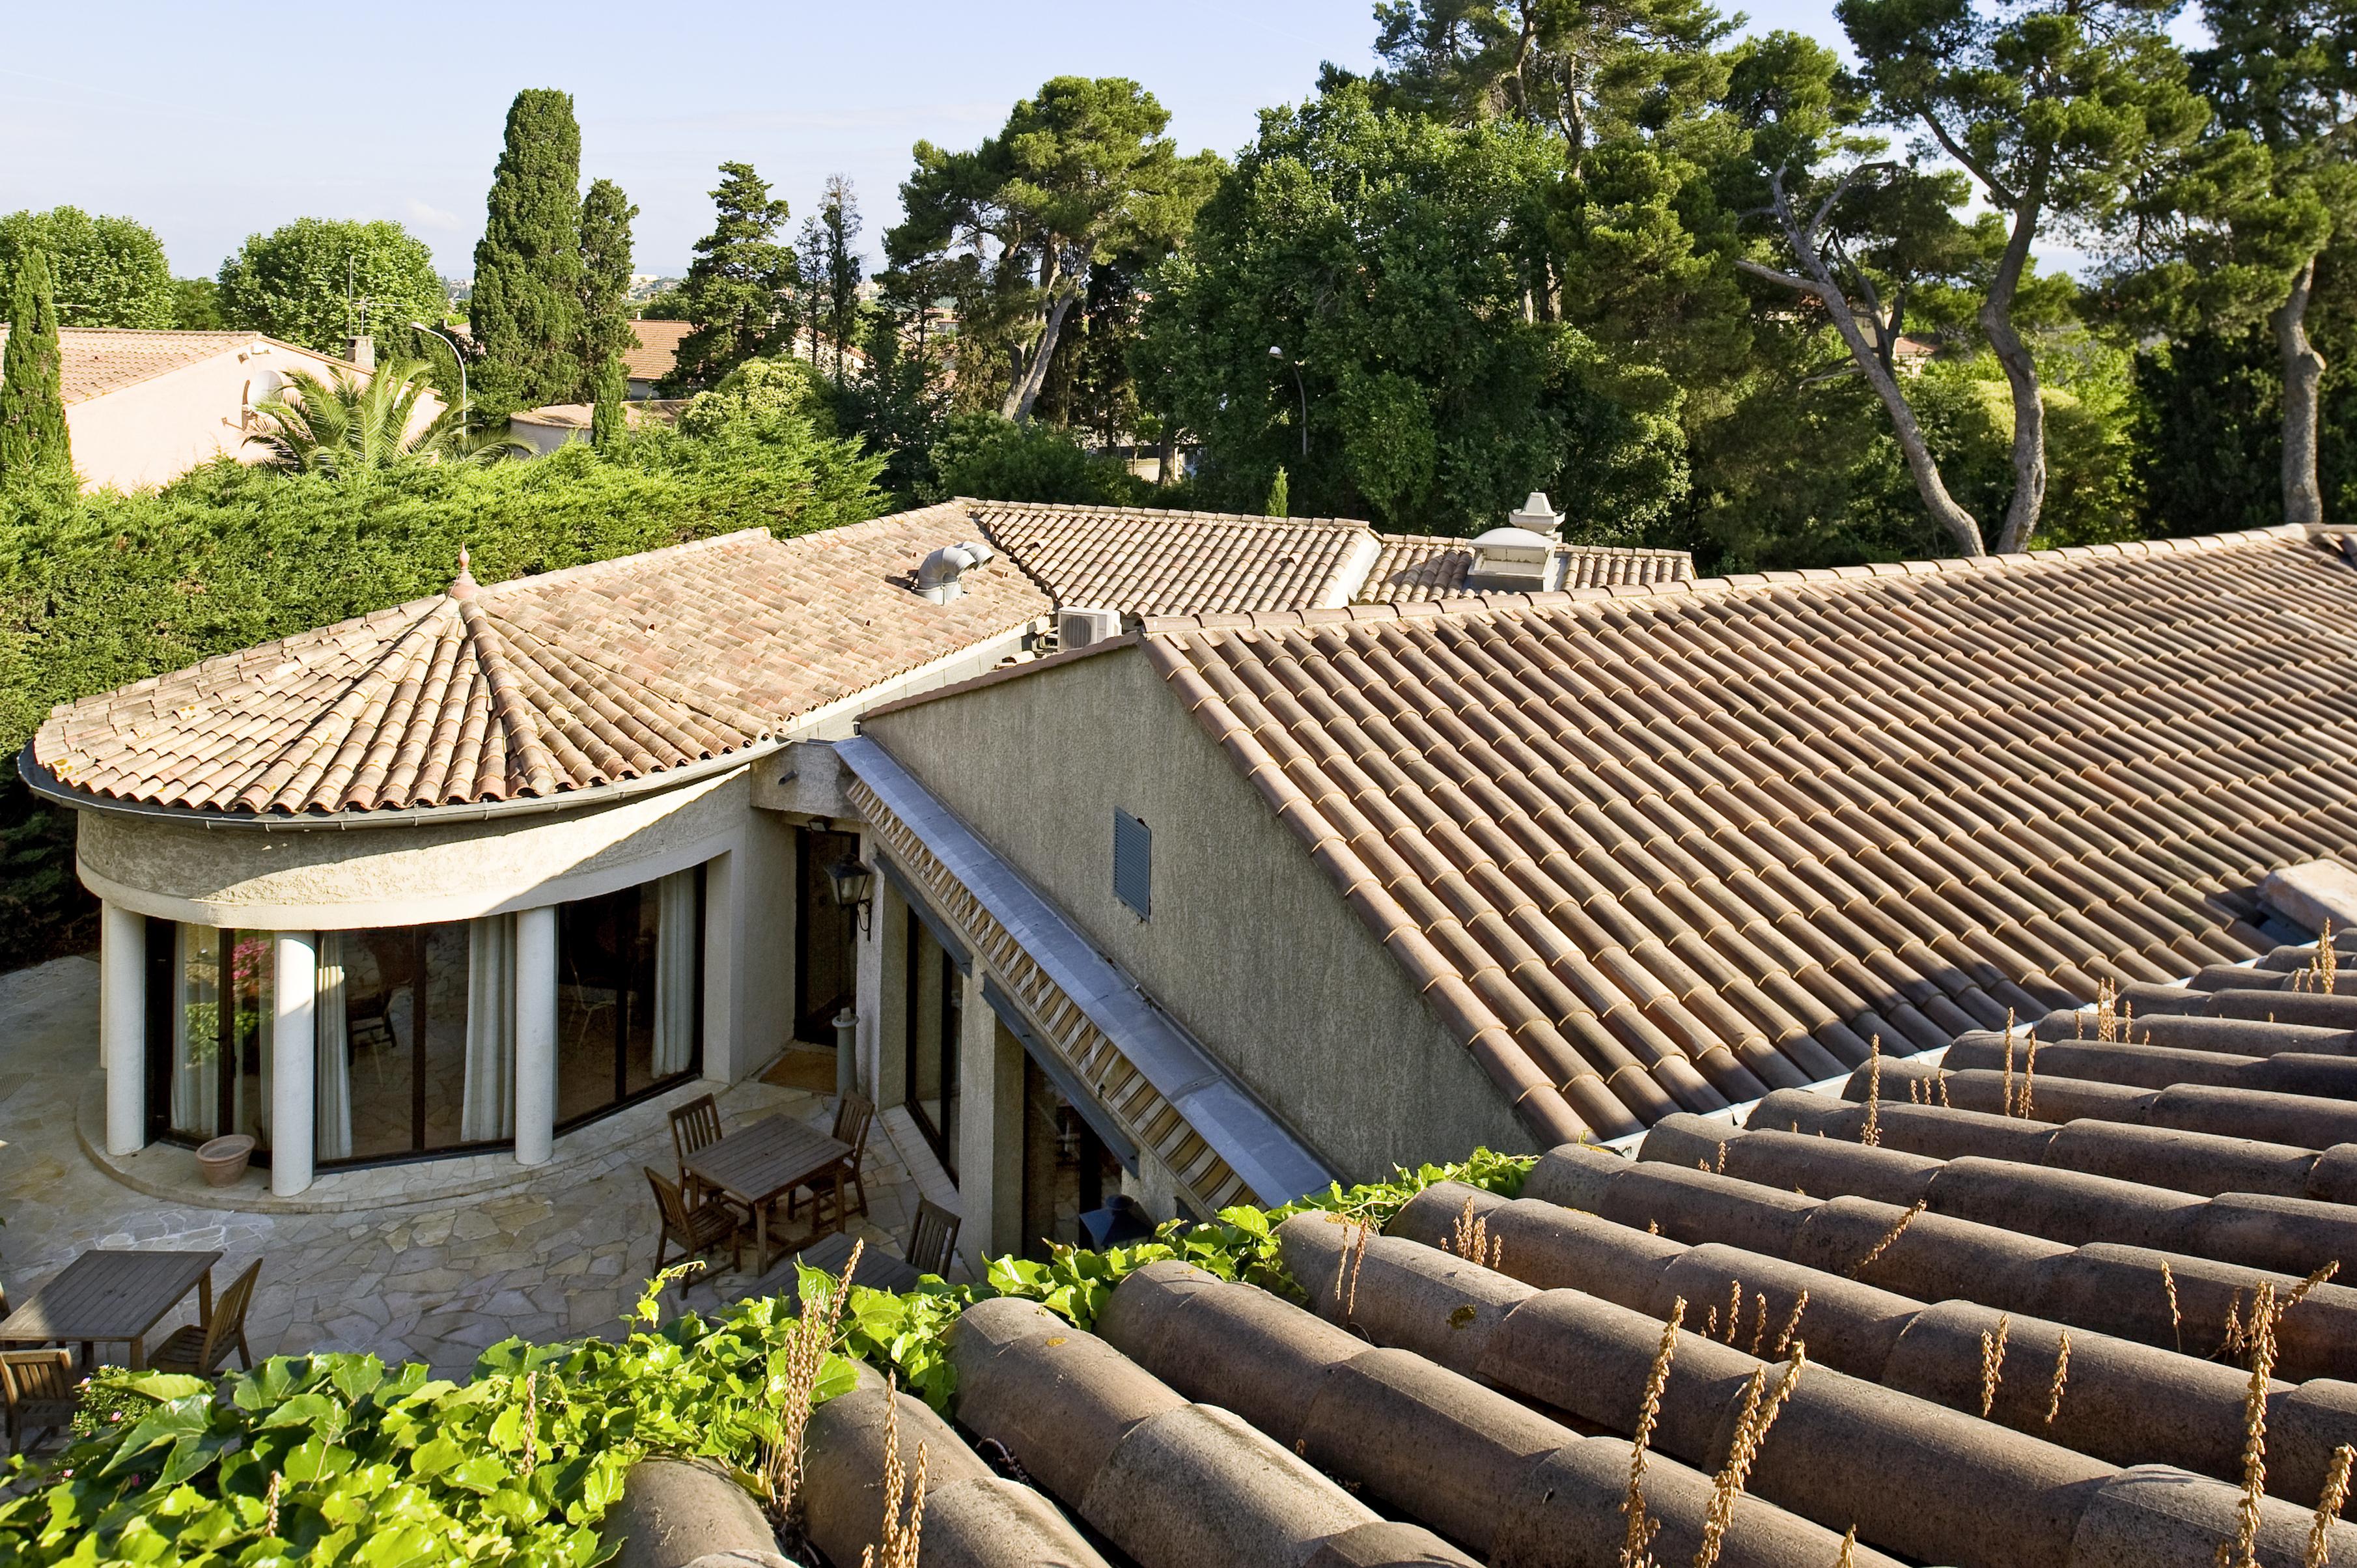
pixel 694 1228
pixel 200 1349
pixel 855 1116
pixel 38 1389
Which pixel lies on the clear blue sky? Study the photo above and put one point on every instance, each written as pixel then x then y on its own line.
pixel 208 122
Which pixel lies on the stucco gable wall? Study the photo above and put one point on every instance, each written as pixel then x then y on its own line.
pixel 1250 946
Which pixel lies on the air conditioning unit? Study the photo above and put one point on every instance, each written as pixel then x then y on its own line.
pixel 1078 626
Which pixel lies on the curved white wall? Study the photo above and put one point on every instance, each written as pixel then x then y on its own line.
pixel 324 879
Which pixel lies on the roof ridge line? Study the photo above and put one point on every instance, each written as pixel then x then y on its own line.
pixel 509 705
pixel 1461 606
pixel 1189 514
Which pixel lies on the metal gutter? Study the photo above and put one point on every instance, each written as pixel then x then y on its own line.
pixel 1262 1151
pixel 44 783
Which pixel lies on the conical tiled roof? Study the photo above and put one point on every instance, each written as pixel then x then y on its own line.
pixel 541 685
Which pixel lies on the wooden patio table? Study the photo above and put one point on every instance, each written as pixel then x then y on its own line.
pixel 758 1164
pixel 111 1297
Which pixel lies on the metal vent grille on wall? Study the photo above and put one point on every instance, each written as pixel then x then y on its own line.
pixel 1133 862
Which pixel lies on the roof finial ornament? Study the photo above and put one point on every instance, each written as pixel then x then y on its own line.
pixel 463 585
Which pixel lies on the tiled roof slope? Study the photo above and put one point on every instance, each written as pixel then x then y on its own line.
pixel 1654 851
pixel 657 349
pixel 1160 562
pixel 97 360
pixel 1423 566
pixel 540 685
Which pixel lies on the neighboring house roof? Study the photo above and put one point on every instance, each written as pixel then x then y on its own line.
pixel 2039 1303
pixel 539 685
pixel 1423 566
pixel 657 351
pixel 98 360
pixel 1651 850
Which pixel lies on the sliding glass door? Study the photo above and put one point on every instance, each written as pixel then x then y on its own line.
pixel 209 1041
pixel 629 994
pixel 415 1030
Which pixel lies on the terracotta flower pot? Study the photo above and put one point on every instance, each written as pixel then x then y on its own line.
pixel 223 1160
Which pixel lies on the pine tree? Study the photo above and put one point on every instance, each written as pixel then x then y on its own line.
pixel 527 308
pixel 606 332
pixel 835 287
pixel 739 287
pixel 33 443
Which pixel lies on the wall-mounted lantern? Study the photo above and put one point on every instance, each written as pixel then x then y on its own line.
pixel 855 886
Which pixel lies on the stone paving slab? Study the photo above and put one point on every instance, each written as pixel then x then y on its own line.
pixel 562 1255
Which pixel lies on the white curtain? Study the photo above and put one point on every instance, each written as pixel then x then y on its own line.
pixel 487 1111
pixel 196 1051
pixel 674 973
pixel 332 1076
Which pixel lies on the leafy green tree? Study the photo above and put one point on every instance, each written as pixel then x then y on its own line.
pixel 526 307
pixel 738 292
pixel 605 334
pixel 993 458
pixel 347 426
pixel 1856 233
pixel 755 395
pixel 1353 305
pixel 903 404
pixel 1078 174
pixel 104 272
pixel 318 280
pixel 2056 108
pixel 2283 73
pixel 196 304
pixel 1278 498
pixel 34 448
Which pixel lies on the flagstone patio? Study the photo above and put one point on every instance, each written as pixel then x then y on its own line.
pixel 557 1252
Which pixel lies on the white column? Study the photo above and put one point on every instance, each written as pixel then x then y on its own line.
pixel 294 1070
pixel 535 1035
pixel 122 1025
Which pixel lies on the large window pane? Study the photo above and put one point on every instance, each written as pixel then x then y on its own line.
pixel 415 1039
pixel 629 985
pixel 218 1053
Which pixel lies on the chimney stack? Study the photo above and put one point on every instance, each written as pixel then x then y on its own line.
pixel 363 352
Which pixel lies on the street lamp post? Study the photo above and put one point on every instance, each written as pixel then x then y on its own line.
pixel 1294 365
pixel 455 354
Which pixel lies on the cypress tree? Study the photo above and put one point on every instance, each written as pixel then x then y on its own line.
pixel 33 443
pixel 606 215
pixel 608 419
pixel 527 308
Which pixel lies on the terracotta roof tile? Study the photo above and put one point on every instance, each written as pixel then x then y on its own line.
pixel 1630 835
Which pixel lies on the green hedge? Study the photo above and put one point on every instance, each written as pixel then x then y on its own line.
pixel 99 591
pixel 335 1458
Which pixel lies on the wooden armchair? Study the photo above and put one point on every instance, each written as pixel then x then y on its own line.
pixel 200 1349
pixel 855 1116
pixel 38 1388
pixel 695 1228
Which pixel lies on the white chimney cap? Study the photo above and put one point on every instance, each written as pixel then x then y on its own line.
pixel 1538 514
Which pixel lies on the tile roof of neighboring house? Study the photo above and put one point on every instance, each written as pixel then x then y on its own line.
pixel 538 685
pixel 2001 1327
pixel 99 361
pixel 1145 561
pixel 1150 563
pixel 1422 566
pixel 1647 851
pixel 656 351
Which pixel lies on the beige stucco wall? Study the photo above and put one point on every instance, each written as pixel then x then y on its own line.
pixel 1250 945
pixel 152 433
